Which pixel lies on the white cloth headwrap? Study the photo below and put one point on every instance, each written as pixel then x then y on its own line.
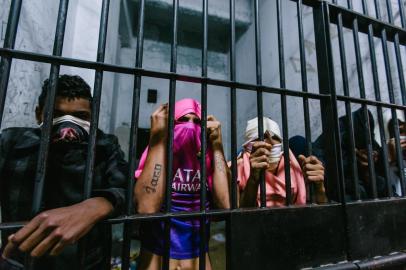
pixel 251 132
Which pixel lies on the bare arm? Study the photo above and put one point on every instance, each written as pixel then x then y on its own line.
pixel 221 174
pixel 51 231
pixel 248 197
pixel 221 180
pixel 149 190
pixel 313 171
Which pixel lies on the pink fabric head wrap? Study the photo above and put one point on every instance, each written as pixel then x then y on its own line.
pixel 187 105
pixel 186 159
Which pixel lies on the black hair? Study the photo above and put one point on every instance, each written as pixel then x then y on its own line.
pixel 391 127
pixel 70 87
pixel 360 128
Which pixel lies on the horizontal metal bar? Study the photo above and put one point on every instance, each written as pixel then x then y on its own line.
pixel 384 262
pixel 381 262
pixel 371 102
pixel 209 213
pixel 216 212
pixel 186 215
pixel 65 61
pixel 348 17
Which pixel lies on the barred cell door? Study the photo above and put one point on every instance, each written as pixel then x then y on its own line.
pixel 309 64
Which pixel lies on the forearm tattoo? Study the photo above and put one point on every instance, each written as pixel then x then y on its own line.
pixel 154 181
pixel 219 162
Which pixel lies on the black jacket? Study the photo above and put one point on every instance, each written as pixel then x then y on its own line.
pixel 360 126
pixel 19 148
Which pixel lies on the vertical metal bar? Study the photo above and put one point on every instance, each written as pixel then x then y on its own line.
pixel 349 3
pixel 367 135
pixel 377 10
pixel 331 129
pixel 403 22
pixel 388 71
pixel 260 110
pixel 203 179
pixel 378 98
pixel 97 92
pixel 233 101
pixel 282 78
pixel 48 110
pixel 390 11
pixel 126 246
pixel 402 13
pixel 169 148
pixel 9 42
pixel 128 23
pixel 233 107
pixel 350 127
pixel 303 72
pixel 400 74
pixel 398 55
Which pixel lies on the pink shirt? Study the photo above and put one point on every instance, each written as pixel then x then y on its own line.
pixel 275 183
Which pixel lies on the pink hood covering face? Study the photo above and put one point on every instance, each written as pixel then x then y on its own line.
pixel 185 106
pixel 186 144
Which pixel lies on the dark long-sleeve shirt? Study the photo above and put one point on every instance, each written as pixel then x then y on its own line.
pixel 64 183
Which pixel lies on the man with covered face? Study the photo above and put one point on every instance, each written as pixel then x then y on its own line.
pixel 51 236
pixel 150 185
pixel 267 156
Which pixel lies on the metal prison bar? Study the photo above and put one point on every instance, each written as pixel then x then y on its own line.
pixel 97 93
pixel 392 100
pixel 303 73
pixel 348 105
pixel 344 74
pixel 171 113
pixel 203 175
pixel 325 13
pixel 378 97
pixel 133 137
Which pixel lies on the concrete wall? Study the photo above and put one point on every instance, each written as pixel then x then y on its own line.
pixel 246 67
pixel 36 33
pixel 366 63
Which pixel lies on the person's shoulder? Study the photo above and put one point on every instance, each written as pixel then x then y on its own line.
pixel 108 143
pixel 19 137
pixel 19 133
pixel 105 138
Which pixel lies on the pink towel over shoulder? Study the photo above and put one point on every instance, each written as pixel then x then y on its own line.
pixel 275 184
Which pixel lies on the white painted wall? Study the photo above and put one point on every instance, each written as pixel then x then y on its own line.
pixel 36 33
pixel 246 69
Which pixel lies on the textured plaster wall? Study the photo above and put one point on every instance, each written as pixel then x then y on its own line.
pixel 246 68
pixel 156 57
pixel 36 34
pixel 270 68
